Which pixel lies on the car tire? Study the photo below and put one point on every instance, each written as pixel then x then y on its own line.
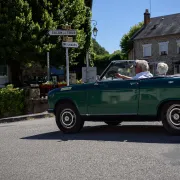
pixel 171 117
pixel 112 123
pixel 68 118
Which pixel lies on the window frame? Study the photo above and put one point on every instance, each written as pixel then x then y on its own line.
pixel 147 46
pixel 6 71
pixel 167 48
pixel 178 46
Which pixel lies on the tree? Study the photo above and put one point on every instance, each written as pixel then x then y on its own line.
pixel 116 55
pixel 18 34
pixel 125 42
pixel 102 61
pixel 98 49
pixel 24 26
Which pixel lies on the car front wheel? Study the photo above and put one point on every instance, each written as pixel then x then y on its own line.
pixel 171 118
pixel 68 119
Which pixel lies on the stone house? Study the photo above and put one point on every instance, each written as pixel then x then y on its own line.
pixel 158 41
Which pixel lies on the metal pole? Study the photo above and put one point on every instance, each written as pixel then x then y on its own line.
pixel 48 68
pixel 67 67
pixel 87 59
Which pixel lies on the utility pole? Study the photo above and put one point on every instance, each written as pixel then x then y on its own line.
pixel 48 67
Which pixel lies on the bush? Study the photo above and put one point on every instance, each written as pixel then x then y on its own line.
pixel 12 101
pixel 102 61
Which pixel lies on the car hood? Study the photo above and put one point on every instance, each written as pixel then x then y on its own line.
pixel 70 88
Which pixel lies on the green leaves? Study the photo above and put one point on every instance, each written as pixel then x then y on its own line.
pixel 24 25
pixel 125 42
pixel 12 101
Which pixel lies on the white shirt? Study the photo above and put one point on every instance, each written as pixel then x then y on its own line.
pixel 143 75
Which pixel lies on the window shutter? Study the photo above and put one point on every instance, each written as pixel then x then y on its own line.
pixel 178 47
pixel 163 48
pixel 147 50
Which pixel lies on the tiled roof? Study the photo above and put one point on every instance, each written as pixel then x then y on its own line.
pixel 160 26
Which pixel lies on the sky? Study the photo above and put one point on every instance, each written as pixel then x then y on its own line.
pixel 115 17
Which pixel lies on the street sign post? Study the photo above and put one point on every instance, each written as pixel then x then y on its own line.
pixel 66 31
pixel 70 44
pixel 60 32
pixel 48 67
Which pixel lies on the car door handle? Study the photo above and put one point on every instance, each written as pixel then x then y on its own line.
pixel 133 83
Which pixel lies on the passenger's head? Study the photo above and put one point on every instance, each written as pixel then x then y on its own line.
pixel 162 68
pixel 141 66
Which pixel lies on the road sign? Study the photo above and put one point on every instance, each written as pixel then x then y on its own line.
pixel 70 44
pixel 60 32
pixel 66 27
pixel 67 39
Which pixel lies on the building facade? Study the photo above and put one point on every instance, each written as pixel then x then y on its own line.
pixel 158 41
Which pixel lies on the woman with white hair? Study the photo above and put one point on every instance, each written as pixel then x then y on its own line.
pixel 141 69
pixel 162 69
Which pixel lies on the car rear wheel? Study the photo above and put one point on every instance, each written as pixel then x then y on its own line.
pixel 112 123
pixel 171 117
pixel 68 118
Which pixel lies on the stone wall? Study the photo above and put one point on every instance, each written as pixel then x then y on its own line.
pixel 35 104
pixel 172 56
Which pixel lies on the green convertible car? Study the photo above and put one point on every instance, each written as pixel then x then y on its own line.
pixel 113 100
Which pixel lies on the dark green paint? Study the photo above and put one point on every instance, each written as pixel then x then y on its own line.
pixel 127 97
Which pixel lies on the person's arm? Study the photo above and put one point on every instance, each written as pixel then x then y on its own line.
pixel 122 76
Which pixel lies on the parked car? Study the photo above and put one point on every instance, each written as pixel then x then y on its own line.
pixel 114 101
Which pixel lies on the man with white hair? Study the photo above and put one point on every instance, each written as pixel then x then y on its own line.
pixel 141 69
pixel 162 69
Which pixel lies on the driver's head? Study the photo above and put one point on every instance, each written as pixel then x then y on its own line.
pixel 141 66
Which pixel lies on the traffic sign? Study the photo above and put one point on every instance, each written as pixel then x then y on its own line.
pixel 67 39
pixel 70 44
pixel 60 32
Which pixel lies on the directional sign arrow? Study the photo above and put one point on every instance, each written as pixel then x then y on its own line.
pixel 60 32
pixel 70 44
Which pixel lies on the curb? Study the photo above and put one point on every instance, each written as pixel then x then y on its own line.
pixel 26 117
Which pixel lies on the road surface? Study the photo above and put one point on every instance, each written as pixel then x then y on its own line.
pixel 36 150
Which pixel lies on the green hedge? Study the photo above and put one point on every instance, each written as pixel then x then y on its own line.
pixel 102 61
pixel 12 101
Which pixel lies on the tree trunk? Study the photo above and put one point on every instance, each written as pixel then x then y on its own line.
pixel 16 73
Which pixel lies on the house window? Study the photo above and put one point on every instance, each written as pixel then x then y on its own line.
pixel 163 48
pixel 178 46
pixel 3 70
pixel 147 50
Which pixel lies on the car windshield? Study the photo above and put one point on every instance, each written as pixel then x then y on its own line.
pixel 123 67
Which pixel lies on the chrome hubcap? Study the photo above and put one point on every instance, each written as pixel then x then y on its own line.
pixel 173 114
pixel 68 118
pixel 176 116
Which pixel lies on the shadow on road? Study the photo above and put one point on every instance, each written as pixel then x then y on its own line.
pixel 125 133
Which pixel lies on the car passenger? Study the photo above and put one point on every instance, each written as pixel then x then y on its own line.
pixel 141 69
pixel 162 69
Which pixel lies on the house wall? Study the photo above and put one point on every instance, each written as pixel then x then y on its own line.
pixel 131 55
pixel 172 56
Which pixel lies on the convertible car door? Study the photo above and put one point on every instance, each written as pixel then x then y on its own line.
pixel 118 97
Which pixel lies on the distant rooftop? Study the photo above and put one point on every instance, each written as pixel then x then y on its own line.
pixel 161 26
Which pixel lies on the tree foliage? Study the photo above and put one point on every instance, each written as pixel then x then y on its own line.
pixel 24 26
pixel 102 61
pixel 125 42
pixel 98 49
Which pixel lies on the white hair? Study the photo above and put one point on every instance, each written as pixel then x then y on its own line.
pixel 162 68
pixel 143 64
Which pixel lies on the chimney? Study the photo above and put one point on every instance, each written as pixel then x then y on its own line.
pixel 146 17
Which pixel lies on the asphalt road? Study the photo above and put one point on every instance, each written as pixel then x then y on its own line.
pixel 36 150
